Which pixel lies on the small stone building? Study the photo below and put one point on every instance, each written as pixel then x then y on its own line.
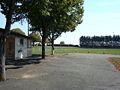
pixel 18 46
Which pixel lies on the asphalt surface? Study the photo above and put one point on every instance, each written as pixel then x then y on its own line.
pixel 68 72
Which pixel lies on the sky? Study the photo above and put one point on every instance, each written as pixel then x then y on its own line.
pixel 101 17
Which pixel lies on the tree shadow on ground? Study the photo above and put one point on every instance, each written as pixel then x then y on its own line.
pixel 16 64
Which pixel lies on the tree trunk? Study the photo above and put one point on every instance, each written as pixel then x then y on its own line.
pixel 52 50
pixel 3 45
pixel 2 63
pixel 33 43
pixel 43 43
pixel 0 46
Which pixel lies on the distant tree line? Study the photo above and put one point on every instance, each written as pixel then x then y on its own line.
pixel 64 45
pixel 100 41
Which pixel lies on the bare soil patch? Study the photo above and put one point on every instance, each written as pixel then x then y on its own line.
pixel 115 63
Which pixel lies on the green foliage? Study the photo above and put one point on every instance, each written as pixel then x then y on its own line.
pixel 18 30
pixel 62 15
pixel 52 17
pixel 16 7
pixel 65 16
pixel 35 36
pixel 62 43
pixel 47 40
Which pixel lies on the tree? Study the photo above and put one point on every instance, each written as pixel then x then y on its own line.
pixel 64 20
pixel 53 35
pixel 100 41
pixel 38 17
pixel 17 30
pixel 7 7
pixel 62 43
pixel 11 9
pixel 36 37
pixel 46 15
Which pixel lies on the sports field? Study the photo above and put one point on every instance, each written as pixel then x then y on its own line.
pixel 61 50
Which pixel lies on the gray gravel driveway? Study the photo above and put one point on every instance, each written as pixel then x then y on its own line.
pixel 68 72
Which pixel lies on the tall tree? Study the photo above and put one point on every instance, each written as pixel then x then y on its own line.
pixel 39 17
pixel 11 10
pixel 53 34
pixel 7 7
pixel 46 15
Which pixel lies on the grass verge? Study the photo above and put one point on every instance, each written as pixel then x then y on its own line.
pixel 115 61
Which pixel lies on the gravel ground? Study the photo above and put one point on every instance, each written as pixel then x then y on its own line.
pixel 68 72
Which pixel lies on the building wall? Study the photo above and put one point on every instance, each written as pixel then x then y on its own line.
pixel 29 47
pixel 29 52
pixel 20 47
pixel 17 46
pixel 10 47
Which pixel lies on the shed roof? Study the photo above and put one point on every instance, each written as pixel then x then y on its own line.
pixel 15 34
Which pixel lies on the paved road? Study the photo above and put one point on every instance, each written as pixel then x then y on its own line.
pixel 69 72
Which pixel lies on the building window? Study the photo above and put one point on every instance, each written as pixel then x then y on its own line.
pixel 21 42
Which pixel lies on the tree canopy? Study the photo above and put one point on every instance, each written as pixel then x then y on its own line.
pixel 35 36
pixel 52 17
pixel 62 42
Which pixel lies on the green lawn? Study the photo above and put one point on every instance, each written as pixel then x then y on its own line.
pixel 60 50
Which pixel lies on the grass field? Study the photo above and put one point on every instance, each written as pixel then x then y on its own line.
pixel 61 50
